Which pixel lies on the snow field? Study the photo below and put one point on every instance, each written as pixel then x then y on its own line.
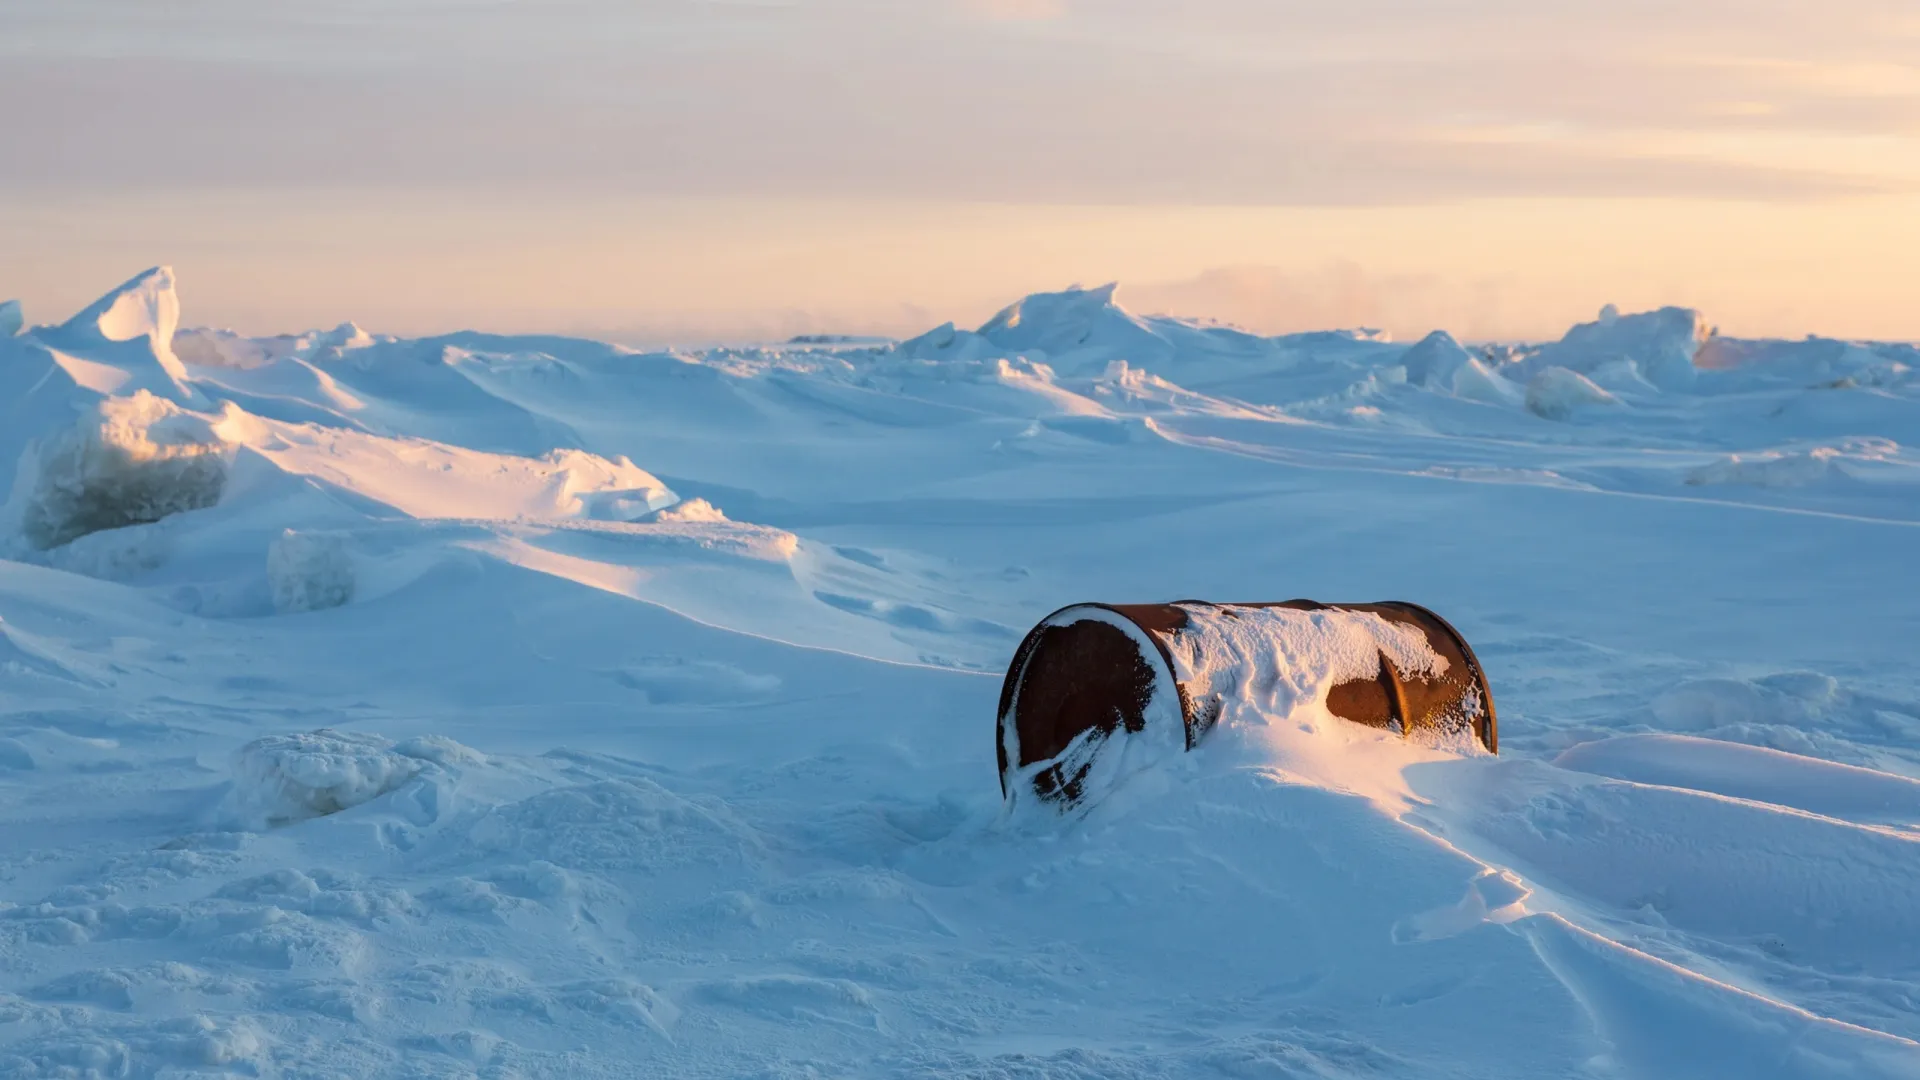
pixel 484 706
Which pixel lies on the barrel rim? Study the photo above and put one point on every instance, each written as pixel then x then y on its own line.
pixel 1017 670
pixel 1489 724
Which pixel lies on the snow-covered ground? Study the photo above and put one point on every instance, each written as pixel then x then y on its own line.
pixel 522 706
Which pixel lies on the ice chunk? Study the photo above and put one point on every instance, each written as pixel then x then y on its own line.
pixel 1434 360
pixel 1662 344
pixel 1475 381
pixel 144 306
pixel 133 460
pixel 690 511
pixel 281 779
pixel 1073 321
pixel 347 335
pixel 1556 392
pixel 11 318
pixel 130 328
pixel 309 571
pixel 943 342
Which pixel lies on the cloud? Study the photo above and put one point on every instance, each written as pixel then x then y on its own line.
pixel 1205 102
pixel 828 133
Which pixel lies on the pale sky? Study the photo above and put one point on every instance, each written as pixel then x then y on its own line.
pixel 661 169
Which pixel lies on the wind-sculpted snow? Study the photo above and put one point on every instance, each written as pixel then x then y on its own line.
pixel 530 706
pixel 129 330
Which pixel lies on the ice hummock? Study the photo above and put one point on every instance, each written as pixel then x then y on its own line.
pixel 1434 360
pixel 1075 321
pixel 1660 344
pixel 123 342
pixel 132 460
pixel 1557 393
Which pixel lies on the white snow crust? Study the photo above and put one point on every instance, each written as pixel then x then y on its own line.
pixel 281 779
pixel 666 791
pixel 1270 670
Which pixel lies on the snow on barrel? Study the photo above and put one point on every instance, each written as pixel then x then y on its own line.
pixel 1097 691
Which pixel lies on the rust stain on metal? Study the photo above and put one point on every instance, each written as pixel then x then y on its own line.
pixel 1091 675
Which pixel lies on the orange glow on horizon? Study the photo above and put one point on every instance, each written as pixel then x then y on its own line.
pixel 689 269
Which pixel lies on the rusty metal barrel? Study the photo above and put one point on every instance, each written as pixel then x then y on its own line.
pixel 1095 678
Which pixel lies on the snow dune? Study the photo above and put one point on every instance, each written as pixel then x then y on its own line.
pixel 495 706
